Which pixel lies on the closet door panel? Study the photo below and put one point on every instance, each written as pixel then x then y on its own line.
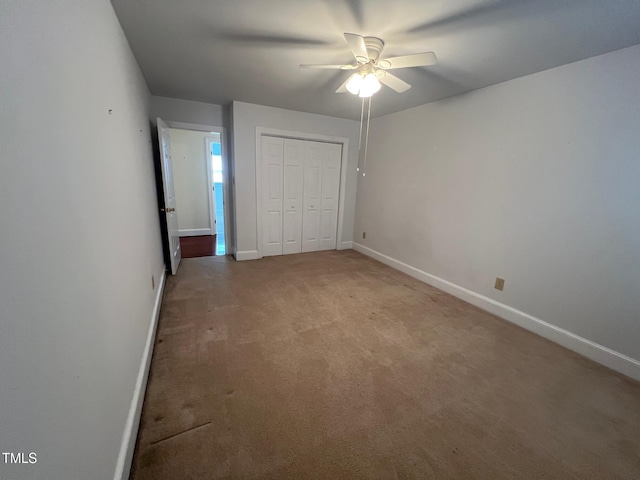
pixel 272 177
pixel 311 219
pixel 293 196
pixel 330 196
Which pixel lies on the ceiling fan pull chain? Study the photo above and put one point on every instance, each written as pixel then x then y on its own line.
pixel 361 120
pixel 366 141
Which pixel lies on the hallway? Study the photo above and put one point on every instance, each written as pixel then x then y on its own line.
pixel 202 246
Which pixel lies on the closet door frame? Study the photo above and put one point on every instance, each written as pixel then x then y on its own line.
pixel 260 131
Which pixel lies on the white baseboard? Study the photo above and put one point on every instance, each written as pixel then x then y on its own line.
pixel 195 232
pixel 596 352
pixel 345 245
pixel 123 466
pixel 246 255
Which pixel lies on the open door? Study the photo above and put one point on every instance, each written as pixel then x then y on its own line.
pixel 169 195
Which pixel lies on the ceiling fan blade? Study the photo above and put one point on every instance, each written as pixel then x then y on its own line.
pixel 357 46
pixel 331 67
pixel 343 88
pixel 393 82
pixel 415 60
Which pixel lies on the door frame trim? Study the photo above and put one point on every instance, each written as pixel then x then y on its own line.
pixel 226 173
pixel 208 140
pixel 313 137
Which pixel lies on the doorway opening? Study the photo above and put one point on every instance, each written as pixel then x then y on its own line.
pixel 217 175
pixel 198 175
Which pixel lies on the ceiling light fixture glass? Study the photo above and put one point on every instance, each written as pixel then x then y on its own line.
pixel 363 84
pixel 370 85
pixel 354 83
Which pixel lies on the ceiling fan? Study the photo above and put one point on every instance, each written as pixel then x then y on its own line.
pixel 371 70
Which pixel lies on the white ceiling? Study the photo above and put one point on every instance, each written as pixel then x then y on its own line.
pixel 249 50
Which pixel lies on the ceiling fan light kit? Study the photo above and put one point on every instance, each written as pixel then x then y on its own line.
pixel 370 85
pixel 363 84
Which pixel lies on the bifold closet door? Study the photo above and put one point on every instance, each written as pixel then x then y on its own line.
pixel 300 192
pixel 293 187
pixel 321 194
pixel 272 150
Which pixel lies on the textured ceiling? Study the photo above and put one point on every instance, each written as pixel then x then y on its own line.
pixel 249 50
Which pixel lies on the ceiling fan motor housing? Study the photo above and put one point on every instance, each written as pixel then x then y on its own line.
pixel 374 48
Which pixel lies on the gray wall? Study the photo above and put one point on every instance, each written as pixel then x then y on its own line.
pixel 80 236
pixel 188 111
pixel 245 118
pixel 535 180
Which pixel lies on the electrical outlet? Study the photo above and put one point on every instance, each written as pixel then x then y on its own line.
pixel 153 282
pixel 499 283
pixel 364 234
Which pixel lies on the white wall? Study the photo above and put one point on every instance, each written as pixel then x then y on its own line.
pixel 80 236
pixel 187 111
pixel 535 180
pixel 245 118
pixel 190 175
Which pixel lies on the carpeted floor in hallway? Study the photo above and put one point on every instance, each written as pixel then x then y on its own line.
pixel 329 365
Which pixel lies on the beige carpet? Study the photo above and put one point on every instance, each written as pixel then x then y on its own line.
pixel 330 365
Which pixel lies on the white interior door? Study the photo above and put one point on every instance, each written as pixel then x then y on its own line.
pixel 169 195
pixel 272 154
pixel 331 163
pixel 313 161
pixel 293 191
